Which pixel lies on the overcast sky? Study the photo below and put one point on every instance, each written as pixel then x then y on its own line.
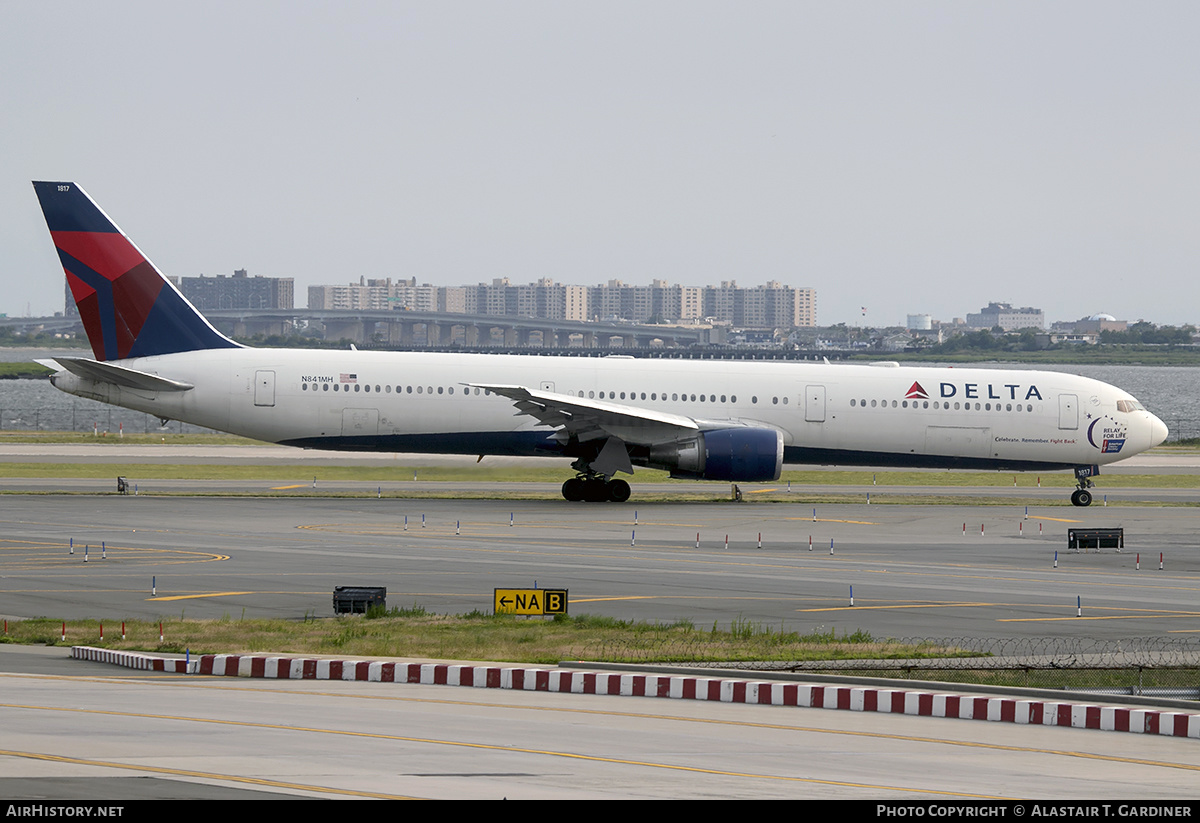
pixel 903 156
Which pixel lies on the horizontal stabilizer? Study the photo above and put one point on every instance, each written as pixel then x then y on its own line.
pixel 121 376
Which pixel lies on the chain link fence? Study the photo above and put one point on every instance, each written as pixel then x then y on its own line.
pixel 86 416
pixel 1181 428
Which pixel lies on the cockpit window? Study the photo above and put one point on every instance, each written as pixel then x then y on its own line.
pixel 1129 406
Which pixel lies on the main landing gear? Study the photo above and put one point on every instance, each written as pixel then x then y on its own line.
pixel 597 466
pixel 593 488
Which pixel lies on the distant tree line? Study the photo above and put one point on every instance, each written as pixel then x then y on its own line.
pixel 1140 333
pixel 1149 334
pixel 41 340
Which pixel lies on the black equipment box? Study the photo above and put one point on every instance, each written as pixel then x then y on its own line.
pixel 357 599
pixel 1095 538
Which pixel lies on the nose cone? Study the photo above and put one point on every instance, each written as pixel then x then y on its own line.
pixel 1158 431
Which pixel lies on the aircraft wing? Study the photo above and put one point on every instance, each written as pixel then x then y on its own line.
pixel 121 376
pixel 587 419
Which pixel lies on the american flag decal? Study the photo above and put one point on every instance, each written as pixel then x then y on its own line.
pixel 348 378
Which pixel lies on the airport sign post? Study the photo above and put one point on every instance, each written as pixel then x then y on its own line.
pixel 529 601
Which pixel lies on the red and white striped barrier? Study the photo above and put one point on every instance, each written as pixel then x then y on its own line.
pixel 683 687
pixel 133 660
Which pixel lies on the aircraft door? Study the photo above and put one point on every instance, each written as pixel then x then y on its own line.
pixel 546 385
pixel 814 404
pixel 1068 411
pixel 264 388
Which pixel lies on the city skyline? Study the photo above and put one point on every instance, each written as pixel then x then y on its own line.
pixel 661 301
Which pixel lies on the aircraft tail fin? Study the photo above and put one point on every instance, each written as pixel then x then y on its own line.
pixel 127 307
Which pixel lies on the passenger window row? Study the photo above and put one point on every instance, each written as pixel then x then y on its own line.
pixel 610 395
pixel 368 388
pixel 924 404
pixel 654 396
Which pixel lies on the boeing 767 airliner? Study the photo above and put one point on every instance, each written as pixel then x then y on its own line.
pixel 708 420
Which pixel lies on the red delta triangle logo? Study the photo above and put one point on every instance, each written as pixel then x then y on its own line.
pixel 915 392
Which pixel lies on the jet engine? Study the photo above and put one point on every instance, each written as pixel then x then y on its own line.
pixel 743 455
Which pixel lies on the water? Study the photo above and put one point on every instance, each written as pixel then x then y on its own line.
pixel 35 405
pixel 1168 391
pixel 19 354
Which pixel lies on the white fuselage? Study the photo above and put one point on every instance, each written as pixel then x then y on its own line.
pixel 849 414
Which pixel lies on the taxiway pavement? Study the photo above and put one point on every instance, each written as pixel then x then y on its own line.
pixel 117 734
pixel 914 571
pixel 73 729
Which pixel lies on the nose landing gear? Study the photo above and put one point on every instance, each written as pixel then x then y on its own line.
pixel 1083 475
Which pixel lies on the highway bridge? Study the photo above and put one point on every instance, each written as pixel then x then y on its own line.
pixel 406 329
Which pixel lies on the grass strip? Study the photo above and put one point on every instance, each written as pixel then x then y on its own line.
pixel 696 494
pixel 23 370
pixel 413 633
pixel 368 473
pixel 476 636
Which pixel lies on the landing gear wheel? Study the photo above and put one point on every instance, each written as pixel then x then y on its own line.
pixel 1081 497
pixel 595 490
pixel 573 489
pixel 618 491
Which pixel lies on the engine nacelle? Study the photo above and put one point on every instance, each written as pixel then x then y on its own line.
pixel 742 455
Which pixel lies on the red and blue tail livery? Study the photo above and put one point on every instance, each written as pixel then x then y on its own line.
pixel 127 307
